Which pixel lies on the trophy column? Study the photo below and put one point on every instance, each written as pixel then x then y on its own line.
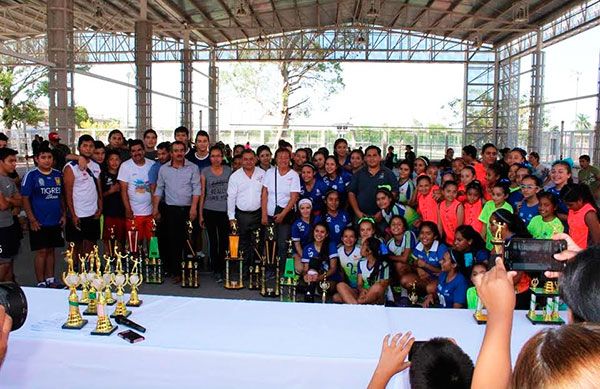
pixel 234 261
pixel 70 278
pixel 153 263
pixel 289 279
pixel 189 264
pixel 270 266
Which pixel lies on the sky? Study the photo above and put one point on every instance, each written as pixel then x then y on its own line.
pixel 376 94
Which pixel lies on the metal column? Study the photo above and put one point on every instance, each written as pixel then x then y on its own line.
pixel 143 76
pixel 478 114
pixel 213 98
pixel 534 138
pixel 186 84
pixel 60 52
pixel 596 155
pixel 508 102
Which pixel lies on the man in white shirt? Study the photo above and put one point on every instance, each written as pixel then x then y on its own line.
pixel 243 200
pixel 84 199
pixel 134 179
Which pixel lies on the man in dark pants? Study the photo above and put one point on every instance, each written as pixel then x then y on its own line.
pixel 243 201
pixel 179 183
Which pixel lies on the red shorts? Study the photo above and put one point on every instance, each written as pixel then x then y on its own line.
pixel 144 226
pixel 118 225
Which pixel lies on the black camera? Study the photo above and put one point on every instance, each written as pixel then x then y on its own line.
pixel 13 299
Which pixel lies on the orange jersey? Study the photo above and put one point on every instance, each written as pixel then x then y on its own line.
pixel 427 207
pixel 449 219
pixel 577 228
pixel 472 212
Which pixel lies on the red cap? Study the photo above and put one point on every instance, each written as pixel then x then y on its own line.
pixel 53 136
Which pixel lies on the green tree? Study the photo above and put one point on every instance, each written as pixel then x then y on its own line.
pixel 582 122
pixel 82 116
pixel 18 85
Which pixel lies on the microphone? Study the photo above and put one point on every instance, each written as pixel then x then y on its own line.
pixel 128 323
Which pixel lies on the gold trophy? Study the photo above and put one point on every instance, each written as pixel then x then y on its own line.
pixel 189 264
pixel 270 263
pixel 107 275
pixel 289 279
pixel 134 280
pixel 70 278
pixel 119 280
pixel 325 285
pixel 497 240
pixel 549 314
pixel 153 268
pixel 90 276
pixel 413 297
pixel 85 292
pixel 234 261
pixel 104 325
pixel 254 268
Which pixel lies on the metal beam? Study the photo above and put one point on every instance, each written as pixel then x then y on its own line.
pixel 208 18
pixel 180 13
pixel 231 17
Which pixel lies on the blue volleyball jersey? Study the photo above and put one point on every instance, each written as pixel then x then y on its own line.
pixel 315 195
pixel 44 192
pixel 310 255
pixel 301 232
pixel 336 224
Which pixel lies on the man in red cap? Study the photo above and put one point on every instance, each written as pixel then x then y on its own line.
pixel 60 151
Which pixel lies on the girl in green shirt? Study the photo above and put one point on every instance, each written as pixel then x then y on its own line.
pixel 546 224
pixel 500 192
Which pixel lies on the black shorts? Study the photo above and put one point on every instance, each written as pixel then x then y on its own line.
pixel 10 240
pixel 46 238
pixel 89 229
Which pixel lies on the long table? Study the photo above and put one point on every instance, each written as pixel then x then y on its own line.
pixel 200 342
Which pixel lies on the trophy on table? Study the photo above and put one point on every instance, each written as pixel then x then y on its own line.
pixel 134 279
pixel 119 280
pixel 234 261
pixel 413 296
pixel 70 278
pixel 103 326
pixel 107 275
pixel 254 268
pixel 112 242
pixel 549 314
pixel 189 265
pixel 85 291
pixel 132 244
pixel 92 308
pixel 270 265
pixel 153 263
pixel 325 285
pixel 289 279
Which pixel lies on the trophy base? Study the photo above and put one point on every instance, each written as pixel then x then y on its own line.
pixel 234 286
pixel 87 312
pixel 542 293
pixel 154 282
pixel 105 333
pixel 539 319
pixel 270 293
pixel 136 304
pixel 480 318
pixel 77 327
pixel 126 314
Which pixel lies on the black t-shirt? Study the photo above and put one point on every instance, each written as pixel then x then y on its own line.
pixel 59 153
pixel 112 204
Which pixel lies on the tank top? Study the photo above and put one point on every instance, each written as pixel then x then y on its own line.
pixel 449 219
pixel 427 207
pixel 85 193
pixel 577 228
pixel 215 193
pixel 472 212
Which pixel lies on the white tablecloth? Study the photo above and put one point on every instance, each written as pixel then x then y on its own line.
pixel 196 342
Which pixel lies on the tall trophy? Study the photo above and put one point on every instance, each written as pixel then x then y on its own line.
pixel 289 279
pixel 134 280
pixel 189 265
pixel 234 261
pixel 112 242
pixel 90 276
pixel 107 275
pixel 103 325
pixel 119 280
pixel 270 266
pixel 85 291
pixel 325 285
pixel 70 278
pixel 132 243
pixel 153 263
pixel 254 267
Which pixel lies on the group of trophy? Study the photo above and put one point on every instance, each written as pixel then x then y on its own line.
pixel 264 267
pixel 549 314
pixel 97 279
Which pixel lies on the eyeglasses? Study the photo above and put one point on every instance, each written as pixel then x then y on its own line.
pixel 528 186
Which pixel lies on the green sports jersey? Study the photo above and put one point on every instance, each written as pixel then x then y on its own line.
pixel 540 229
pixel 485 215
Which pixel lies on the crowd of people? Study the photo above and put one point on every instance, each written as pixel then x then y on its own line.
pixel 381 230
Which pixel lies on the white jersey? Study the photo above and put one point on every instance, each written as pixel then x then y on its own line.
pixel 85 193
pixel 349 263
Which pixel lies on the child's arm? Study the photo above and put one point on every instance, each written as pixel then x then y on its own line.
pixel 333 265
pixel 460 215
pixel 440 226
pixel 298 248
pixel 591 220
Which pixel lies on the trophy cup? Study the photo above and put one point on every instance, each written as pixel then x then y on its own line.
pixel 270 266
pixel 108 275
pixel 85 292
pixel 134 280
pixel 92 309
pixel 189 265
pixel 153 268
pixel 289 280
pixel 234 261
pixel 119 280
pixel 254 268
pixel 549 314
pixel 70 278
pixel 325 285
pixel 104 325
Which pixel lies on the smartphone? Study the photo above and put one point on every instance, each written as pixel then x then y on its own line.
pixel 131 336
pixel 534 254
pixel 416 345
